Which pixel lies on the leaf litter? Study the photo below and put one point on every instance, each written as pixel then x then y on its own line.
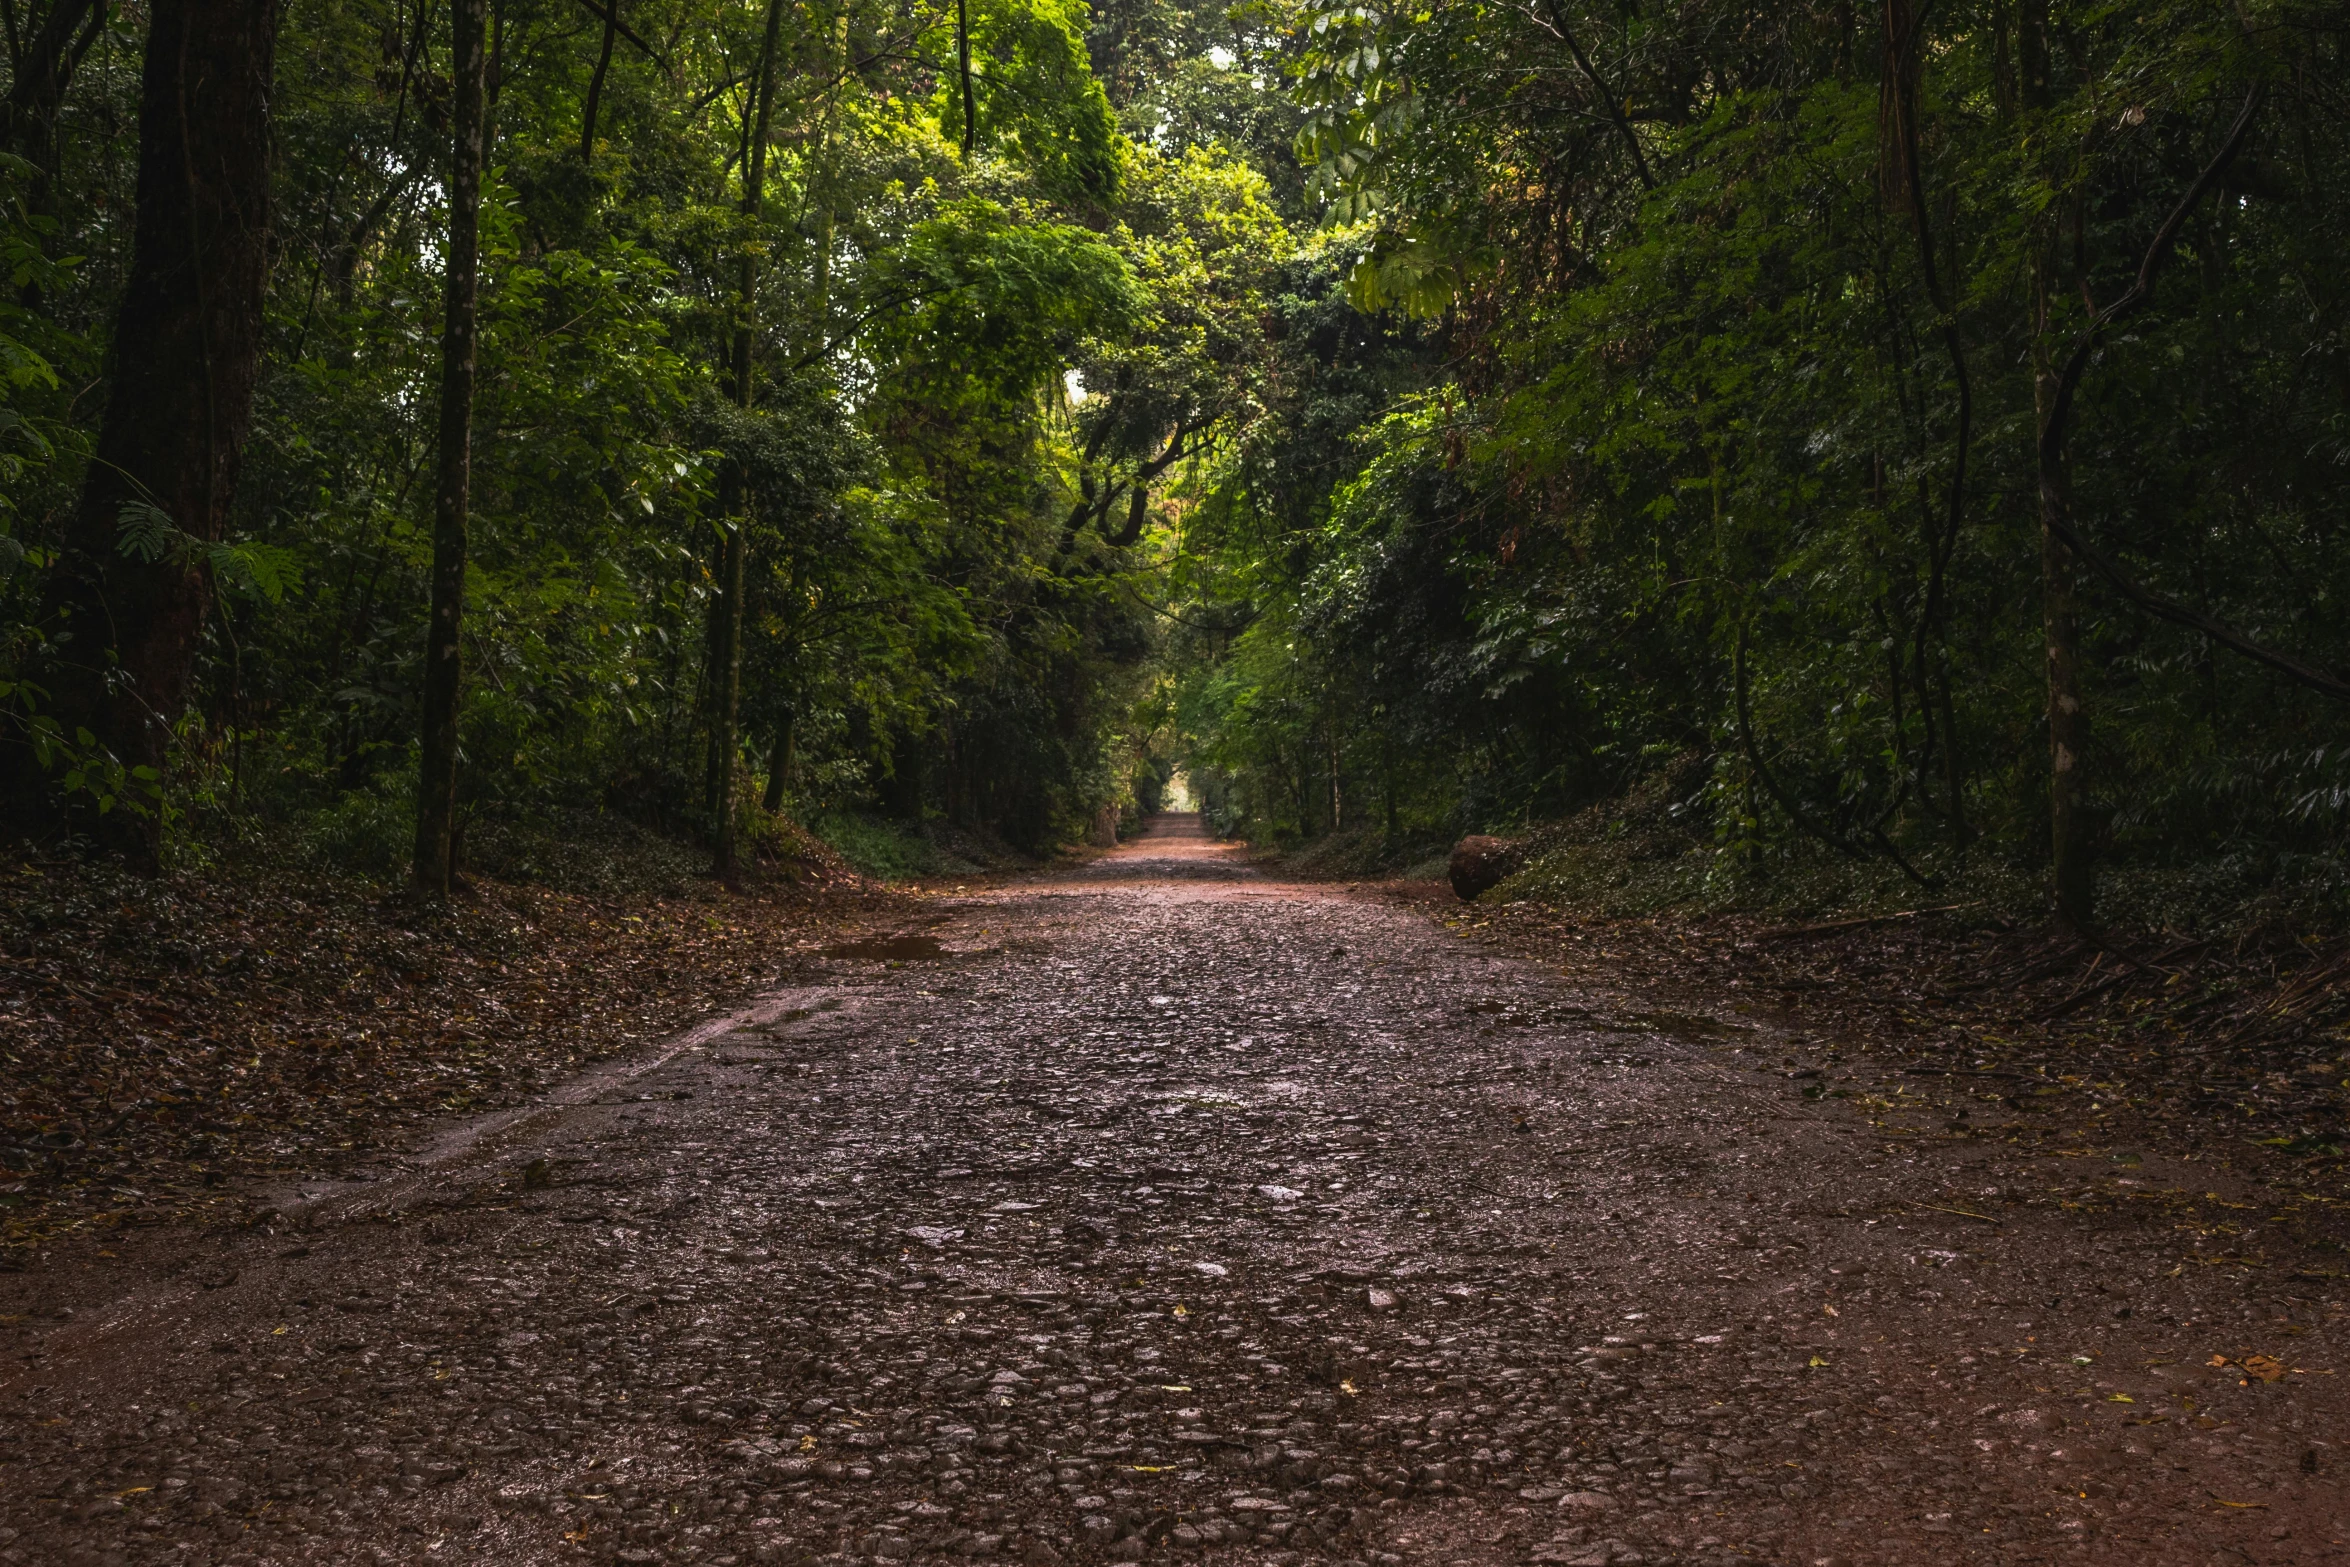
pixel 163 1042
pixel 1691 1316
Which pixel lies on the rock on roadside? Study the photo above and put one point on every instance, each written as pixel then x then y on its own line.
pixel 1481 863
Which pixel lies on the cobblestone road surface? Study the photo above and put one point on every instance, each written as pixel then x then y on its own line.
pixel 1165 1212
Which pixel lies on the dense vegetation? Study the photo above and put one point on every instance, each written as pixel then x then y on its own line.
pixel 768 273
pixel 1911 437
pixel 1917 434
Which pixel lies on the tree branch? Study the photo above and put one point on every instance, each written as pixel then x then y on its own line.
pixel 1137 508
pixel 1137 513
pixel 595 92
pixel 2141 292
pixel 1904 35
pixel 42 63
pixel 1615 110
pixel 1801 817
pixel 609 15
pixel 2055 432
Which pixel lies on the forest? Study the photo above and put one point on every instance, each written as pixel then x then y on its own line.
pixel 901 783
pixel 1908 443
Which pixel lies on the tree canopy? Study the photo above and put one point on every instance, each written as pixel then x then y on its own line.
pixel 1914 434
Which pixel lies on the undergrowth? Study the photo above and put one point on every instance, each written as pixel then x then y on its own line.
pixel 891 849
pixel 597 853
pixel 1367 852
pixel 1655 852
pixel 1633 858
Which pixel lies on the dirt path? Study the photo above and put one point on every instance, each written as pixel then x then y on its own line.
pixel 1164 1212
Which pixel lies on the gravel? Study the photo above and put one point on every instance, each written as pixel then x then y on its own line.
pixel 1169 1212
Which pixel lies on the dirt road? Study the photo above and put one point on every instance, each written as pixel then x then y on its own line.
pixel 1162 1211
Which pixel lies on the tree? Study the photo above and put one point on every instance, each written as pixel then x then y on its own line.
pixel 1791 424
pixel 436 788
pixel 725 665
pixel 126 605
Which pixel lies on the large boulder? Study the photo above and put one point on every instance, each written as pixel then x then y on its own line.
pixel 1480 864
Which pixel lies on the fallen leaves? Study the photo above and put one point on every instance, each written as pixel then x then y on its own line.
pixel 2075 1040
pixel 2263 1368
pixel 169 1035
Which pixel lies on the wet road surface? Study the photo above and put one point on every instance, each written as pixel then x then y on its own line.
pixel 1161 1211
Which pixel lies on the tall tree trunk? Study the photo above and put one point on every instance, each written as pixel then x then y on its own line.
pixel 595 92
pixel 2072 875
pixel 1898 116
pixel 726 610
pixel 2071 867
pixel 963 70
pixel 719 640
pixel 187 352
pixel 436 785
pixel 821 181
pixel 726 684
pixel 1953 767
pixel 779 762
pixel 901 792
pixel 1387 787
pixel 1337 801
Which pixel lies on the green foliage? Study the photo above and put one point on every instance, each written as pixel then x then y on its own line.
pixel 888 850
pixel 261 571
pixel 984 302
pixel 1685 484
pixel 368 832
pixel 1609 427
pixel 918 633
pixel 1039 105
pixel 28 379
